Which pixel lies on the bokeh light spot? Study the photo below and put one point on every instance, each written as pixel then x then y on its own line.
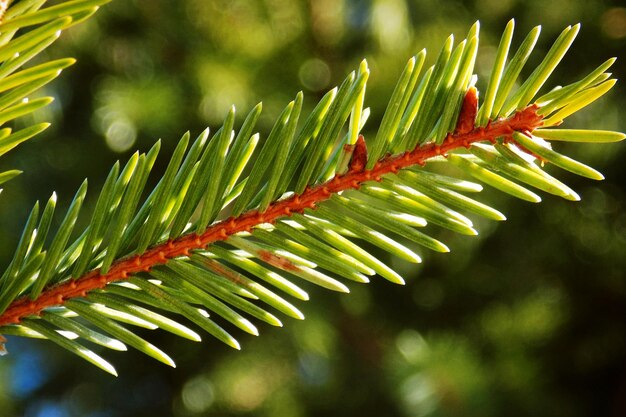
pixel 314 74
pixel 412 346
pixel 327 21
pixel 198 395
pixel 390 24
pixel 121 135
pixel 419 395
pixel 613 23
pixel 250 392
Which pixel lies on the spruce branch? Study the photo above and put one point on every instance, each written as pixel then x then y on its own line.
pixel 209 240
pixel 523 121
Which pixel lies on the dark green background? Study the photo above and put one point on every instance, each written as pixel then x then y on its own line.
pixel 525 320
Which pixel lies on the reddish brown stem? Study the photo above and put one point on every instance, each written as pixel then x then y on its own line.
pixel 523 121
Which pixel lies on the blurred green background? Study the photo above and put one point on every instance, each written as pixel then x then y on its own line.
pixel 528 319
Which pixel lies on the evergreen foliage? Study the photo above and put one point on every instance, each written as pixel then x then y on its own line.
pixel 236 220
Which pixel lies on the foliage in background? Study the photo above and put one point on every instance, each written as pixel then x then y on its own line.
pixel 445 305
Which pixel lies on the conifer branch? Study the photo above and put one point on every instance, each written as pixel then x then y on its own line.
pixel 524 121
pixel 206 240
